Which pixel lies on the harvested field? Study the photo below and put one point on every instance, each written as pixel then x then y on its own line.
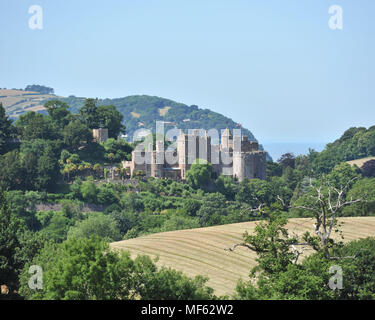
pixel 201 251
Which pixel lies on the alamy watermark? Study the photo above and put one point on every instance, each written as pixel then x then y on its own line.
pixel 336 21
pixel 335 282
pixel 196 144
pixel 36 20
pixel 36 280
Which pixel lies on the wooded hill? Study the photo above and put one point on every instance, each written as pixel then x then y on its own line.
pixel 140 111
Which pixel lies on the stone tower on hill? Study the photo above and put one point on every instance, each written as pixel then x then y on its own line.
pixel 235 156
pixel 100 135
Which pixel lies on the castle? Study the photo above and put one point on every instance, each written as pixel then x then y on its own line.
pixel 100 135
pixel 234 156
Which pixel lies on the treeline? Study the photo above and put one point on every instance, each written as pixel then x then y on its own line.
pixel 146 110
pixel 82 269
pixel 38 150
pixel 40 89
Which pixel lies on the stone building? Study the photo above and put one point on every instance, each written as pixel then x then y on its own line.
pixel 100 135
pixel 234 156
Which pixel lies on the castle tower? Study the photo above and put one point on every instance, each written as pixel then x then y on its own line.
pixel 226 140
pixel 249 162
pixel 100 135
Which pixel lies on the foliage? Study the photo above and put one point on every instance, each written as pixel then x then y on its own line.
pixel 355 143
pixel 368 168
pixel 39 88
pixel 148 109
pixel 85 269
pixel 199 174
pixel 97 224
pixel 9 245
pixel 6 130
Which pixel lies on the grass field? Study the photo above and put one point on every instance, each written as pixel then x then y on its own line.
pixel 17 101
pixel 360 162
pixel 201 251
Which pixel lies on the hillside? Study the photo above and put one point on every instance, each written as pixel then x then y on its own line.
pixel 17 102
pixel 139 111
pixel 201 251
pixel 360 162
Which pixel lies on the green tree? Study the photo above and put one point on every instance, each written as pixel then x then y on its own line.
pixel 273 169
pixel 59 113
pixel 199 174
pixel 57 228
pixel 365 189
pixel 212 209
pixel 255 192
pixel 358 265
pixel 75 133
pixel 368 168
pixel 227 186
pixel 86 269
pixel 9 245
pixel 11 171
pixel 47 170
pixel 33 125
pixel 97 224
pixel 81 269
pixel 109 117
pixel 89 114
pixel 167 284
pixel 89 191
pixel 6 130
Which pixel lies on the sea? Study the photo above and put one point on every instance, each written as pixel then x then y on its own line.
pixel 277 149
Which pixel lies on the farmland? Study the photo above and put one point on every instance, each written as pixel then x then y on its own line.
pixel 360 162
pixel 202 251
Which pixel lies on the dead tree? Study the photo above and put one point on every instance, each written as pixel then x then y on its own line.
pixel 325 203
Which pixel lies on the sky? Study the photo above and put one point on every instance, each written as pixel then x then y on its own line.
pixel 274 66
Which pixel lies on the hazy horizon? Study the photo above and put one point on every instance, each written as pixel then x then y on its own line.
pixel 275 67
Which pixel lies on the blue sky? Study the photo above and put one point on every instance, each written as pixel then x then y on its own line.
pixel 274 66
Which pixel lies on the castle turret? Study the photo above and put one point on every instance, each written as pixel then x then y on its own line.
pixel 226 140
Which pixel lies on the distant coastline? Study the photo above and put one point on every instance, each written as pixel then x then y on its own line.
pixel 276 149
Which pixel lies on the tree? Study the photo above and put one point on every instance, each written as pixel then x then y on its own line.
pixel 97 224
pixel 39 163
pixel 272 243
pixel 47 170
pixel 89 114
pixel 342 176
pixel 287 160
pixel 6 130
pixel 59 113
pixel 212 209
pixel 199 174
pixel 273 169
pixel 227 186
pixel 167 284
pixel 325 203
pixel 310 280
pixel 75 133
pixel 57 227
pixel 109 117
pixel 368 168
pixel 119 149
pixel 9 245
pixel 33 125
pixel 365 189
pixel 358 271
pixel 255 192
pixel 40 89
pixel 81 269
pixel 86 269
pixel 89 191
pixel 11 171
